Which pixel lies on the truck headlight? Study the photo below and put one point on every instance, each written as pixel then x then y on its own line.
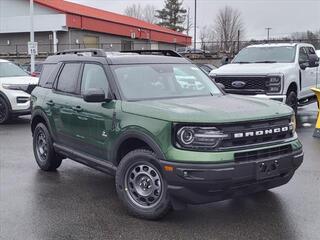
pixel 274 84
pixel 194 137
pixel 22 87
pixel 293 123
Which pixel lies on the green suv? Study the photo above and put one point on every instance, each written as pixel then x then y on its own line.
pixel 155 121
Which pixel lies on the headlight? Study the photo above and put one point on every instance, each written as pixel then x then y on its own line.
pixel 198 137
pixel 22 87
pixel 293 123
pixel 274 84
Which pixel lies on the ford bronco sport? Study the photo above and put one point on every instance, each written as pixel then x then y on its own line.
pixel 159 124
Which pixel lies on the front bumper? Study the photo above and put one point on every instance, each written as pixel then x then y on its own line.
pixel 203 183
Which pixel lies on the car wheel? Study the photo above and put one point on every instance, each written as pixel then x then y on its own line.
pixel 4 111
pixel 141 187
pixel 43 149
pixel 292 101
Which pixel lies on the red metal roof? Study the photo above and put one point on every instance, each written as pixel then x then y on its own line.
pixel 93 19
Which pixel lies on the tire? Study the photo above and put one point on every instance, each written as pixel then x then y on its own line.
pixel 292 101
pixel 141 187
pixel 43 150
pixel 4 111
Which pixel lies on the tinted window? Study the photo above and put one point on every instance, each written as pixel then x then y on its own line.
pixel 94 77
pixel 303 56
pixel 67 81
pixel 310 50
pixel 46 79
pixel 9 69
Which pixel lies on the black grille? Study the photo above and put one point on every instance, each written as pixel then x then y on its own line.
pixel 253 85
pixel 254 126
pixel 263 154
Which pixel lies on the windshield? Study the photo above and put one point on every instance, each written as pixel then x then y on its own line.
pixel 8 69
pixel 284 54
pixel 157 81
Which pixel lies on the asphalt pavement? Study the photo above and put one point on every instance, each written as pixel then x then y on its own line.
pixel 77 202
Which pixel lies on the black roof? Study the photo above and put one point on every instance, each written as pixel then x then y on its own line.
pixel 116 58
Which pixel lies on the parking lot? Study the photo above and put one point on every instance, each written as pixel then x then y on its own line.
pixel 79 203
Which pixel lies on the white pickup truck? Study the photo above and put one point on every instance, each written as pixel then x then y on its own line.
pixel 283 72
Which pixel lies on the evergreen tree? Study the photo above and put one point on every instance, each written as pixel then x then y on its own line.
pixel 173 15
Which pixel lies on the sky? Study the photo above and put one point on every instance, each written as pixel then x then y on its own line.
pixel 283 16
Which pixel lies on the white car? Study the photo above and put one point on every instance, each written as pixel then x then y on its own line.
pixel 15 86
pixel 283 72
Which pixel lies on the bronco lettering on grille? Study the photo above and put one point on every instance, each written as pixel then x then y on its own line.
pixel 263 132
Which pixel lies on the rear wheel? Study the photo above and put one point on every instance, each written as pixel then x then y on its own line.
pixel 43 149
pixel 292 101
pixel 141 186
pixel 4 111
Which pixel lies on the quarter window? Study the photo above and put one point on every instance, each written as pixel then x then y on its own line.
pixel 94 77
pixel 68 78
pixel 45 77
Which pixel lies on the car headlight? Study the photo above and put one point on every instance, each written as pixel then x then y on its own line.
pixel 193 137
pixel 22 87
pixel 293 123
pixel 274 84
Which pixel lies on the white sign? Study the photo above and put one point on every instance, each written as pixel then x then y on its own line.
pixel 32 48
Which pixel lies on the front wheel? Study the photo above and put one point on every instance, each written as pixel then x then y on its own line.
pixel 141 186
pixel 43 149
pixel 292 101
pixel 4 111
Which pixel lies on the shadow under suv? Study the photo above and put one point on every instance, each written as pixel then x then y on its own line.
pixel 166 132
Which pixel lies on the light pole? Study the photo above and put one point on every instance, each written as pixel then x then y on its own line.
pixel 195 25
pixel 32 53
pixel 268 32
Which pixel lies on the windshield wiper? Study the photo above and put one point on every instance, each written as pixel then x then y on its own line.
pixel 266 62
pixel 242 62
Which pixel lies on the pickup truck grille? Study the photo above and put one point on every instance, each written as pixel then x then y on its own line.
pixel 252 85
pixel 262 154
pixel 263 129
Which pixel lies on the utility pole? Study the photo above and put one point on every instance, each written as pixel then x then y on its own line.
pixel 32 53
pixel 268 33
pixel 195 25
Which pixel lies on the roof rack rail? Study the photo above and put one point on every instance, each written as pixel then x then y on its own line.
pixel 96 52
pixel 170 53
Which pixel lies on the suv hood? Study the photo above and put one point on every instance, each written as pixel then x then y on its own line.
pixel 213 109
pixel 252 68
pixel 19 80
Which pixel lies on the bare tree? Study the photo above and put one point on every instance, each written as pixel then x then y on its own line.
pixel 146 13
pixel 188 22
pixel 149 14
pixel 134 10
pixel 227 24
pixel 207 38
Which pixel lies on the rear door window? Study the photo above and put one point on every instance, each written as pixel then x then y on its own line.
pixel 68 78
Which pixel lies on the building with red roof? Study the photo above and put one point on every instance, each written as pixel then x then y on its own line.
pixel 60 24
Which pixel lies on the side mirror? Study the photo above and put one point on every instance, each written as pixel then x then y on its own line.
pixel 313 60
pixel 304 65
pixel 221 86
pixel 94 95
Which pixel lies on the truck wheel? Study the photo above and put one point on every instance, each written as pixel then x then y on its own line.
pixel 292 101
pixel 4 111
pixel 141 186
pixel 43 149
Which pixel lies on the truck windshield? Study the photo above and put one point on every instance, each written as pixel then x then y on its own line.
pixel 283 54
pixel 161 81
pixel 8 69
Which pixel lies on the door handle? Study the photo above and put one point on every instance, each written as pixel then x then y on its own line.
pixel 50 103
pixel 77 108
